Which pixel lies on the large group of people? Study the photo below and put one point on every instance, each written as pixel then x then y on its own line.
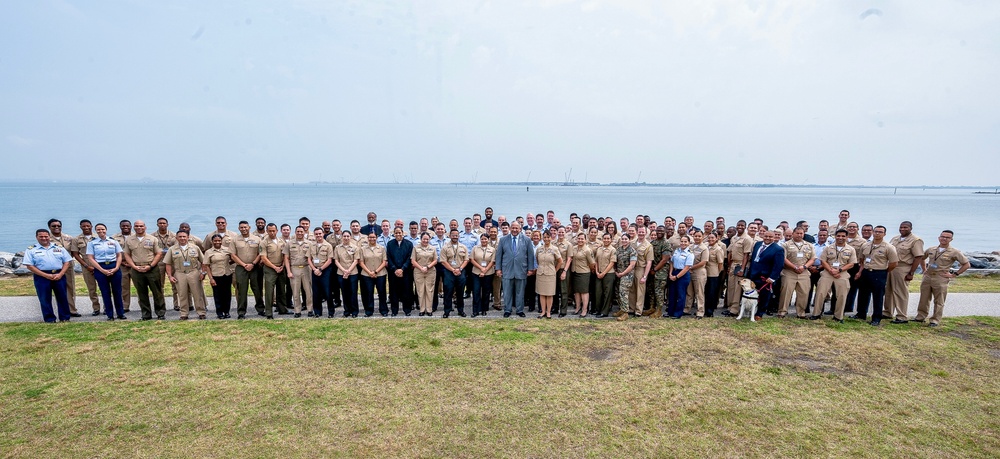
pixel 596 266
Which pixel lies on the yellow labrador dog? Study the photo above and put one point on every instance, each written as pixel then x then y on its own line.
pixel 748 302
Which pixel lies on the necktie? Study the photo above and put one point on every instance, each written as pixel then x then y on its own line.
pixel 513 241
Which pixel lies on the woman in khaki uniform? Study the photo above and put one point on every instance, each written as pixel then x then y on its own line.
pixel 548 261
pixel 217 258
pixel 373 272
pixel 582 263
pixel 699 276
pixel 714 268
pixel 424 259
pixel 605 257
pixel 346 257
pixel 483 270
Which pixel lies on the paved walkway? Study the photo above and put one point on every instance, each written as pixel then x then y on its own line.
pixel 26 309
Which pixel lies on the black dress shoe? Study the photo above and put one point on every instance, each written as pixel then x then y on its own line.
pixel 75 314
pixel 96 313
pixel 564 315
pixel 728 314
pixel 177 308
pixel 160 318
pixel 146 318
pixel 385 315
pixel 815 317
pixel 310 314
pixel 241 317
pixel 270 317
pixel 111 319
pixel 122 317
pixel 446 315
pixel 898 321
pixel 407 314
pixel 461 314
pixel 875 323
pixel 297 315
pixel 506 314
pixel 858 317
pixel 520 314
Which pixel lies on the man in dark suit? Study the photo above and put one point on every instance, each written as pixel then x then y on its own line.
pixel 397 253
pixel 372 226
pixel 766 260
pixel 515 261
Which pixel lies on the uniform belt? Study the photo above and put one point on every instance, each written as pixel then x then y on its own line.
pixel 105 262
pixel 50 271
pixel 876 270
pixel 299 266
pixel 141 264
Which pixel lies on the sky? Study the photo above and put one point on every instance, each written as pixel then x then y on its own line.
pixel 728 91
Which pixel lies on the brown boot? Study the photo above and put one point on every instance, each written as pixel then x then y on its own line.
pixel 622 317
pixel 618 313
pixel 648 312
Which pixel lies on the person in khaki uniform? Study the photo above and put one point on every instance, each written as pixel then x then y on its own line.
pixel 643 265
pixel 424 259
pixel 346 257
pixel 373 260
pixel 272 256
pixel 937 275
pixel 740 246
pixel 548 262
pixel 297 254
pixel 562 284
pixel 877 259
pixel 910 250
pixel 184 268
pixel 483 271
pixel 167 240
pixel 220 228
pixel 126 230
pixel 454 258
pixel 581 263
pixel 143 254
pixel 245 254
pixel 695 302
pixel 79 252
pixel 799 257
pixel 65 241
pixel 218 259
pixel 321 264
pixel 836 260
pixel 605 258
pixel 714 270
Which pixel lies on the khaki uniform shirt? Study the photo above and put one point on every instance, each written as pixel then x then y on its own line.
pixel 217 261
pixel 373 256
pixel 345 255
pixel 546 259
pixel 142 251
pixel 857 243
pixel 453 255
pixel 878 256
pixel 80 244
pixel 739 246
pixel 321 252
pixel 166 241
pixel 605 256
pixel 643 253
pixel 700 252
pixel 298 252
pixel 940 261
pixel 246 249
pixel 273 250
pixel 798 254
pixel 424 256
pixel 227 239
pixel 908 248
pixel 581 259
pixel 839 258
pixel 716 258
pixel 184 260
pixel 483 256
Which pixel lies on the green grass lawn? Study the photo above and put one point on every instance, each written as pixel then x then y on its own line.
pixel 500 388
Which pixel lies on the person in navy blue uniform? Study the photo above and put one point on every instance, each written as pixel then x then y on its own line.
pixel 680 277
pixel 105 255
pixel 766 261
pixel 398 252
pixel 49 263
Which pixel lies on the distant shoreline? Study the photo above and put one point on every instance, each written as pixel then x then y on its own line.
pixel 985 189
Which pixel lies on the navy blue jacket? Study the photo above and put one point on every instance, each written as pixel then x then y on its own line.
pixel 397 254
pixel 768 264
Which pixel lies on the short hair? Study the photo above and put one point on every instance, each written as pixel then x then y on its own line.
pixel 414 222
pixel 162 218
pixel 800 223
pixel 179 232
pixel 84 221
pixel 879 226
pixel 101 224
pixel 949 232
pixel 825 221
pixel 453 230
pixel 51 221
pixel 304 229
pixel 220 216
pixel 42 230
pixel 124 221
pixel 841 230
pixel 272 225
pixel 216 236
pixel 259 219
pixel 286 225
pixel 355 221
pixel 243 222
pixel 504 224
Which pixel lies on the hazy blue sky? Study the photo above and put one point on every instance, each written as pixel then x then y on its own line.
pixel 799 92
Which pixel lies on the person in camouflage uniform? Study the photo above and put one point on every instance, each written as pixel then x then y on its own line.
pixel 624 267
pixel 661 271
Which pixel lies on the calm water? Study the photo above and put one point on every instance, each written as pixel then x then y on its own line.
pixel 25 207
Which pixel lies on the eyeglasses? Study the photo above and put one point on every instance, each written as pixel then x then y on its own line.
pixel 55 226
pixel 220 223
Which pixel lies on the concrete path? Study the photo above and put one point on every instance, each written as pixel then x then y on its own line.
pixel 26 309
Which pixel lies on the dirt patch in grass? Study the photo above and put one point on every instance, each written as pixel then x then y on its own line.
pixel 603 355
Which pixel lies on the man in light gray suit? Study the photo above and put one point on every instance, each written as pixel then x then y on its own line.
pixel 515 262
